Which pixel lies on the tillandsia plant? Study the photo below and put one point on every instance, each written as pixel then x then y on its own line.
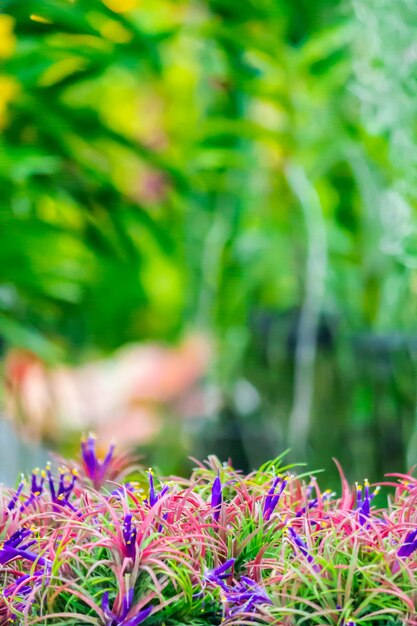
pixel 82 543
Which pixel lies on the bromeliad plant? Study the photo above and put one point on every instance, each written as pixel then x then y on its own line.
pixel 81 545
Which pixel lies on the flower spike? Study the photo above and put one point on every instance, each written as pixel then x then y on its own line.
pixel 273 497
pixel 94 467
pixel 129 537
pixel 216 497
pixel 363 501
pixel 154 495
pixel 16 496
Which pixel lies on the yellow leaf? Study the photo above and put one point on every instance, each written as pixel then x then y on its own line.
pixel 61 69
pixel 120 6
pixel 109 29
pixel 8 89
pixel 7 38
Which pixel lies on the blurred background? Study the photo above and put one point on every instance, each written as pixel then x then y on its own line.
pixel 208 231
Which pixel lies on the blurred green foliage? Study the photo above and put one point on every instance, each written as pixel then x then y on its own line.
pixel 168 164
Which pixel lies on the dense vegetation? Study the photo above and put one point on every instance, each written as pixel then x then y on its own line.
pixel 80 547
pixel 244 168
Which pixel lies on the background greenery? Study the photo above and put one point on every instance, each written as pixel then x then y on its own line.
pixel 244 168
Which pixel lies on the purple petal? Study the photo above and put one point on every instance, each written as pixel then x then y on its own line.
pixel 108 457
pixel 127 602
pixel 89 456
pixel 153 498
pixel 139 618
pixel 407 549
pixel 15 498
pixel 225 566
pixel 216 497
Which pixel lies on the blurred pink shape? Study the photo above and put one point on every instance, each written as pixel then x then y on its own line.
pixel 119 398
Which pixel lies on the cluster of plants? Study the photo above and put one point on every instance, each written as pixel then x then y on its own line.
pixel 85 544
